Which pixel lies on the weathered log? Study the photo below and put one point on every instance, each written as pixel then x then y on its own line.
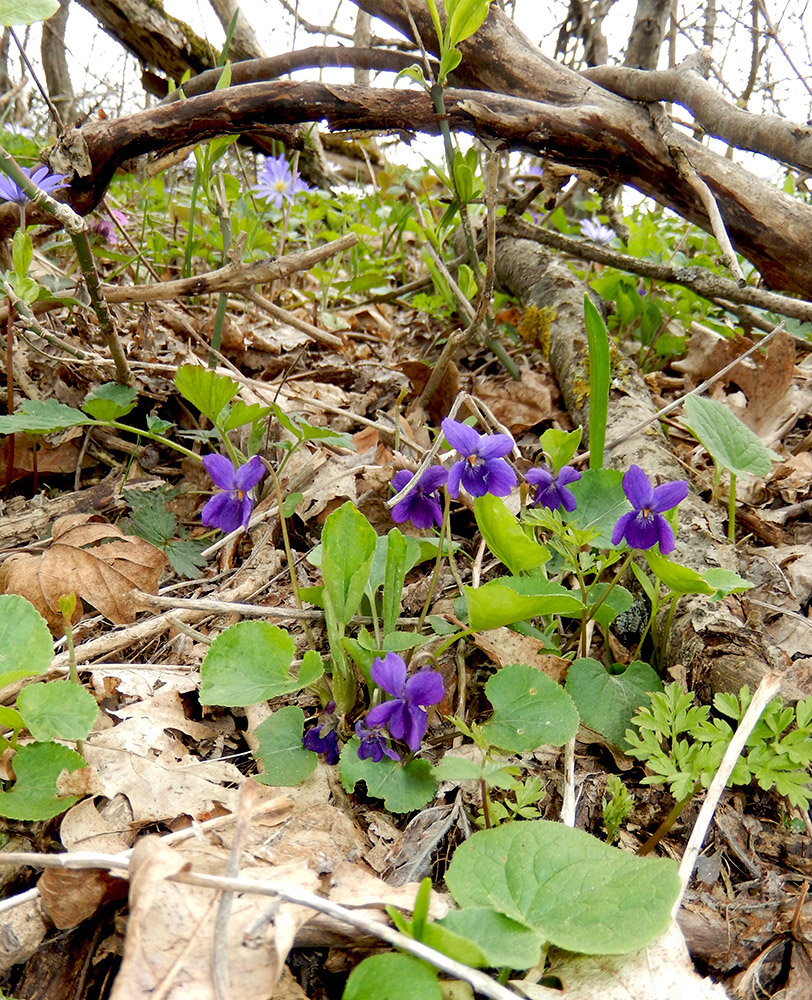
pixel 613 138
pixel 712 641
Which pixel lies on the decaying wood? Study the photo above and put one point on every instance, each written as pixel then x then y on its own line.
pixel 714 287
pixel 710 640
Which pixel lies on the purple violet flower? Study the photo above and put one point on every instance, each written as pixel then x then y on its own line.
pixel 598 233
pixel 551 491
pixel 421 505
pixel 326 745
pixel 373 744
pixel 40 175
pixel 106 228
pixel 644 526
pixel 231 508
pixel 483 468
pixel 406 713
pixel 278 183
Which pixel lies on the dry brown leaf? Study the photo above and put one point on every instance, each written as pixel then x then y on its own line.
pixel 764 378
pixel 169 938
pixel 142 760
pixel 504 646
pixel 419 373
pixel 96 561
pixel 519 405
pixel 55 454
pixel 69 897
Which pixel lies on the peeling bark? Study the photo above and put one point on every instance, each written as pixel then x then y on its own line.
pixel 712 641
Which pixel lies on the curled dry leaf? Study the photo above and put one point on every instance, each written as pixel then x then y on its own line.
pixel 96 561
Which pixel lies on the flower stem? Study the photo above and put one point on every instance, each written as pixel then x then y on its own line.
pixel 437 563
pixel 283 525
pixel 665 827
pixel 623 567
pixel 731 510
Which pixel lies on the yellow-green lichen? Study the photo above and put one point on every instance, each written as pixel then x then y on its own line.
pixel 534 327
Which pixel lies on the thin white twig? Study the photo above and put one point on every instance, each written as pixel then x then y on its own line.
pixel 119 865
pixel 279 803
pixel 768 688
pixel 568 795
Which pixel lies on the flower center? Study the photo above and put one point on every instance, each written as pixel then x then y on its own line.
pixel 240 494
pixel 281 186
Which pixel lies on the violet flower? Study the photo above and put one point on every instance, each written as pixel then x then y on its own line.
pixel 421 505
pixel 231 508
pixel 326 745
pixel 106 228
pixel 40 175
pixel 598 233
pixel 405 713
pixel 551 491
pixel 644 526
pixel 278 183
pixel 373 744
pixel 483 468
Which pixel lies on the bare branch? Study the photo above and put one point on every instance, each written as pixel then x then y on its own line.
pixel 776 137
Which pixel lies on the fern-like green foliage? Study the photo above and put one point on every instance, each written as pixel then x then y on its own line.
pixel 682 745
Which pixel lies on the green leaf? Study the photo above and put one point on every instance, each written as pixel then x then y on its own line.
pixel 22 253
pixel 560 446
pixel 241 413
pixel 33 795
pixel 504 942
pixel 57 710
pixel 110 401
pixel 392 977
pixel 280 749
pixel 496 603
pixel 348 545
pixel 395 576
pixel 731 444
pixel 402 788
pixel 599 377
pixel 449 61
pixel 10 718
pixel 442 939
pixel 467 18
pixel 679 579
pixel 37 416
pixel 725 581
pixel 26 644
pixel 312 668
pixel 247 664
pixel 505 537
pixel 185 556
pixel 26 11
pixel 291 502
pixel 575 891
pixel 529 710
pixel 606 702
pixel 205 389
pixel 618 601
pixel 601 501
pixel 396 642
